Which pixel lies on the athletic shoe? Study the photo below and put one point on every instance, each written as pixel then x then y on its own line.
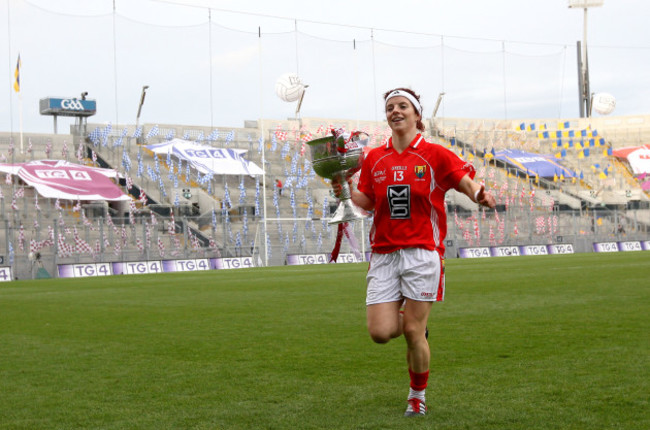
pixel 415 408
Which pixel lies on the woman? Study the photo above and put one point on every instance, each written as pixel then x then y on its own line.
pixel 404 182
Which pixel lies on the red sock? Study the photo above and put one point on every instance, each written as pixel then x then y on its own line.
pixel 419 380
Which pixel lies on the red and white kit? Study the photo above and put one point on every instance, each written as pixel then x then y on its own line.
pixel 409 194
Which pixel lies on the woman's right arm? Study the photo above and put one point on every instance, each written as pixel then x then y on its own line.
pixel 362 200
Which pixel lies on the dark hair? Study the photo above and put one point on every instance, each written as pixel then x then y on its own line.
pixel 419 124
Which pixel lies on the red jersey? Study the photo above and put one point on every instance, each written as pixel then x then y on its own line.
pixel 408 190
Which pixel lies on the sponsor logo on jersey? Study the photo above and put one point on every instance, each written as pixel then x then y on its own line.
pixel 399 201
pixel 379 176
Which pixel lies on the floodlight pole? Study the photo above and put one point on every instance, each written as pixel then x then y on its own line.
pixel 585 102
pixel 583 61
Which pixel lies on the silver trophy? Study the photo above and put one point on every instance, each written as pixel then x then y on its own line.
pixel 338 157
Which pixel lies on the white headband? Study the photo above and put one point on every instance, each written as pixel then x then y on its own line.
pixel 400 93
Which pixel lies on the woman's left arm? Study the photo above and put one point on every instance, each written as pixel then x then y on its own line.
pixel 476 192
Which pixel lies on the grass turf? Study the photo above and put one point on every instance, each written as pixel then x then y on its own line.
pixel 553 342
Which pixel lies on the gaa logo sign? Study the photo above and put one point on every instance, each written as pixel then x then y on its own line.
pixel 71 104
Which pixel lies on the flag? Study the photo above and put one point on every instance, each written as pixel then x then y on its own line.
pixel 153 132
pixel 139 244
pixel 81 246
pixel 171 225
pixel 138 132
pixel 17 76
pixel 540 225
pixel 214 135
pixel 161 247
pixel 21 238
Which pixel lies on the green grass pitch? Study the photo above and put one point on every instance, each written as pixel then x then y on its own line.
pixel 552 342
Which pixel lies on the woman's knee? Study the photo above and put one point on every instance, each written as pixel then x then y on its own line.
pixel 379 337
pixel 382 334
pixel 413 331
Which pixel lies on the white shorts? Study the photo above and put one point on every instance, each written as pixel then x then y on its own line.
pixel 413 273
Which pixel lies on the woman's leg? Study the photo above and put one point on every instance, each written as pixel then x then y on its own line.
pixel 384 321
pixel 416 315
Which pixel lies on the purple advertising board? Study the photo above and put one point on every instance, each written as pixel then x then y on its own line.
pixel 478 252
pixel 299 259
pixel 83 270
pixel 559 249
pixel 605 247
pixel 533 250
pixel 5 274
pixel 505 251
pixel 232 263
pixel 137 267
pixel 633 245
pixel 189 265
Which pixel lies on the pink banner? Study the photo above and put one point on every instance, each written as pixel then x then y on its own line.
pixel 58 179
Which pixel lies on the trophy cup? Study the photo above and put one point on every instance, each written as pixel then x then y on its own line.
pixel 339 157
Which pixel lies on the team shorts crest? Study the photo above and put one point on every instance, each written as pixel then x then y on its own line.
pixel 413 273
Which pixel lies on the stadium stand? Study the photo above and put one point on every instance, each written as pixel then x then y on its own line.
pixel 175 212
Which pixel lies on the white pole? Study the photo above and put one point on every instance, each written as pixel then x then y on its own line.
pixel 20 108
pixel 356 80
pixel 261 127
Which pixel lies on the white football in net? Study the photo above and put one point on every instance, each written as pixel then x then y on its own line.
pixel 289 87
pixel 603 103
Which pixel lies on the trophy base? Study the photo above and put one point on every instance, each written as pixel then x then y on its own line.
pixel 346 212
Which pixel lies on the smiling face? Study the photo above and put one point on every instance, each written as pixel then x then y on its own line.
pixel 401 115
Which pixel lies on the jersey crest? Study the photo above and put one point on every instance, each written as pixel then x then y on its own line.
pixel 420 171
